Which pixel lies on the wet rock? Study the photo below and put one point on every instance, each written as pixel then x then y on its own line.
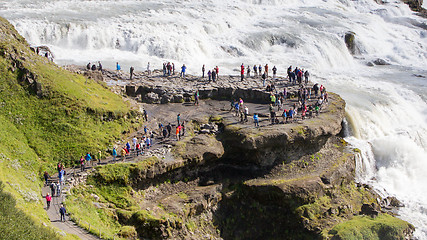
pixel 380 61
pixel 349 42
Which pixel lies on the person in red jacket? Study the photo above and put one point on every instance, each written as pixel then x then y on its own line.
pixel 242 72
pixel 48 200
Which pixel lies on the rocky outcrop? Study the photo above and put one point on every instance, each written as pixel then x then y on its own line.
pixel 417 6
pixel 286 142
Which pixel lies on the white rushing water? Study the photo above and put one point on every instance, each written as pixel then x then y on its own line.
pixel 386 105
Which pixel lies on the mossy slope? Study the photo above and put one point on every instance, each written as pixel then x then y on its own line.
pixel 47 115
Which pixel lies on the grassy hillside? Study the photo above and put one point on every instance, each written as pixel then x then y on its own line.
pixel 48 115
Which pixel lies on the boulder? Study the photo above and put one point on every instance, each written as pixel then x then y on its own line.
pixel 349 42
pixel 369 210
pixel 380 61
pixel 178 98
pixel 166 99
pixel 151 98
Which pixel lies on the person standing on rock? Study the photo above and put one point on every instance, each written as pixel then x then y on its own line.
pixel 213 75
pixel 169 128
pixel 263 79
pixel 217 72
pixel 260 69
pixel 255 71
pixel 183 68
pixel 178 118
pixel 203 71
pixel 266 70
pixel 114 154
pixel 274 72
pixel 99 66
pixel 209 75
pixel 248 72
pixel 256 120
pixel 88 66
pixel 178 128
pixel 246 113
pixel 242 72
pixel 93 67
pixel 131 72
pixel 165 133
pixel 48 200
pixel 62 211
pixel 148 69
pixel 118 68
pixel 306 75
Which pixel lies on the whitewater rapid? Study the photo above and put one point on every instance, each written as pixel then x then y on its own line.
pixel 386 105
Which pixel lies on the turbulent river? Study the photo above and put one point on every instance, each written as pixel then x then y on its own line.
pixel 386 105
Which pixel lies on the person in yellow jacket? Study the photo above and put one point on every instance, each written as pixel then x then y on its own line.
pixel 123 154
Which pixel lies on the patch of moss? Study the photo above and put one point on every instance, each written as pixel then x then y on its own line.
pixel 383 227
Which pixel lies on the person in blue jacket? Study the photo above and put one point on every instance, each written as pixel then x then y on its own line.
pixel 183 68
pixel 88 158
pixel 114 154
pixel 256 120
pixel 118 68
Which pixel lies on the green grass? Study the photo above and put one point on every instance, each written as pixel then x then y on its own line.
pixel 383 227
pixel 15 224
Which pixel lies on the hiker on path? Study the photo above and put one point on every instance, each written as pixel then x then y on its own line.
pixel 99 155
pixel 266 70
pixel 88 158
pixel 169 128
pixel 53 188
pixel 99 66
pixel 114 154
pixel 82 164
pixel 145 115
pixel 123 154
pixel 46 177
pixel 178 118
pixel 118 68
pixel 62 211
pixel 48 200
pixel 255 71
pixel 209 75
pixel 58 189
